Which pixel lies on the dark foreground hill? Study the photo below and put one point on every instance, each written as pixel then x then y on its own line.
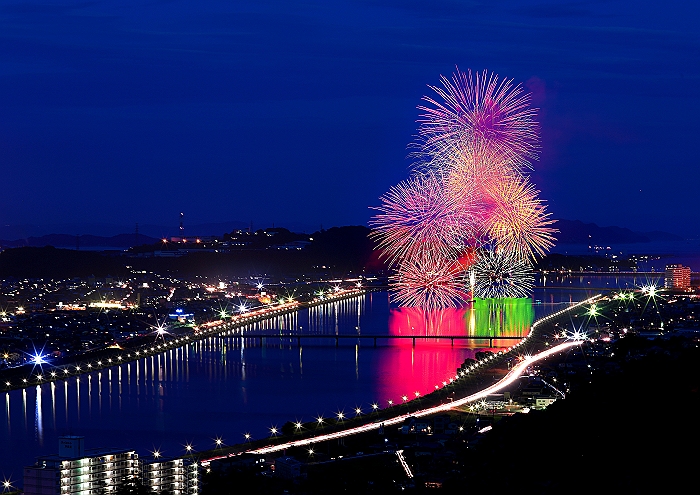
pixel 633 431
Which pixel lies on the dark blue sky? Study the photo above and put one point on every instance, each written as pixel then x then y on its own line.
pixel 299 113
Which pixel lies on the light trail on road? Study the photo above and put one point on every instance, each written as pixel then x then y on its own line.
pixel 504 382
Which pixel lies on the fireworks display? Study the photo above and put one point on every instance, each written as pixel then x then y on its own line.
pixel 501 274
pixel 428 282
pixel 468 222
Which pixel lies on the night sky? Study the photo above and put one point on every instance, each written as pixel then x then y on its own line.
pixel 299 113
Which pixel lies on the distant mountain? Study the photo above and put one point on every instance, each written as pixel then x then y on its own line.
pixel 570 232
pixel 335 252
pixel 153 230
pixel 121 241
pixel 658 235
pixel 577 232
pixel 106 230
pixel 49 262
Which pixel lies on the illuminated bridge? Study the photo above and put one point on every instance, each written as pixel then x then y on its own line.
pixel 300 337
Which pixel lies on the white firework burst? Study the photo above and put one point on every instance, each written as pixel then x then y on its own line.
pixel 501 274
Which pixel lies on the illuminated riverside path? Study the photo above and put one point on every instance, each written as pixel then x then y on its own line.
pixel 375 424
pixel 37 375
pixel 32 376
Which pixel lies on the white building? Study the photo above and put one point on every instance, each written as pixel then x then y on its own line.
pixel 76 471
pixel 176 476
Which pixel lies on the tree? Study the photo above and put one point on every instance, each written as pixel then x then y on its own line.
pixel 132 486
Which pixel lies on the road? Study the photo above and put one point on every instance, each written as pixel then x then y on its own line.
pixel 504 382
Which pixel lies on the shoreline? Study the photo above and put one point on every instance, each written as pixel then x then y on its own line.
pixel 103 359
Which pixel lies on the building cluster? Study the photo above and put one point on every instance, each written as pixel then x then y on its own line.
pixel 279 239
pixel 77 471
pixel 64 318
pixel 58 321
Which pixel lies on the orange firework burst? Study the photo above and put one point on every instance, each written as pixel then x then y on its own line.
pixel 519 222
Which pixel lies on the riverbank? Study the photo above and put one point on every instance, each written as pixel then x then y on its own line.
pixel 103 359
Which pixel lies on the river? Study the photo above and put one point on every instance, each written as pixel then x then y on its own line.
pixel 224 387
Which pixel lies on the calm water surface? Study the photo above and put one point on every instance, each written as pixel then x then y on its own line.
pixel 225 387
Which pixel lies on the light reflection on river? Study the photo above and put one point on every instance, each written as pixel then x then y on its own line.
pixel 225 387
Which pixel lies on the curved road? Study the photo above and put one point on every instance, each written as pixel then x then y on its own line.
pixel 504 382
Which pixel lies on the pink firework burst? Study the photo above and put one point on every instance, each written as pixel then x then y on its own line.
pixel 480 111
pixel 419 218
pixel 469 189
pixel 429 283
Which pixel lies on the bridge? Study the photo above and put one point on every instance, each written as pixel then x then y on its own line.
pixel 603 274
pixel 374 337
